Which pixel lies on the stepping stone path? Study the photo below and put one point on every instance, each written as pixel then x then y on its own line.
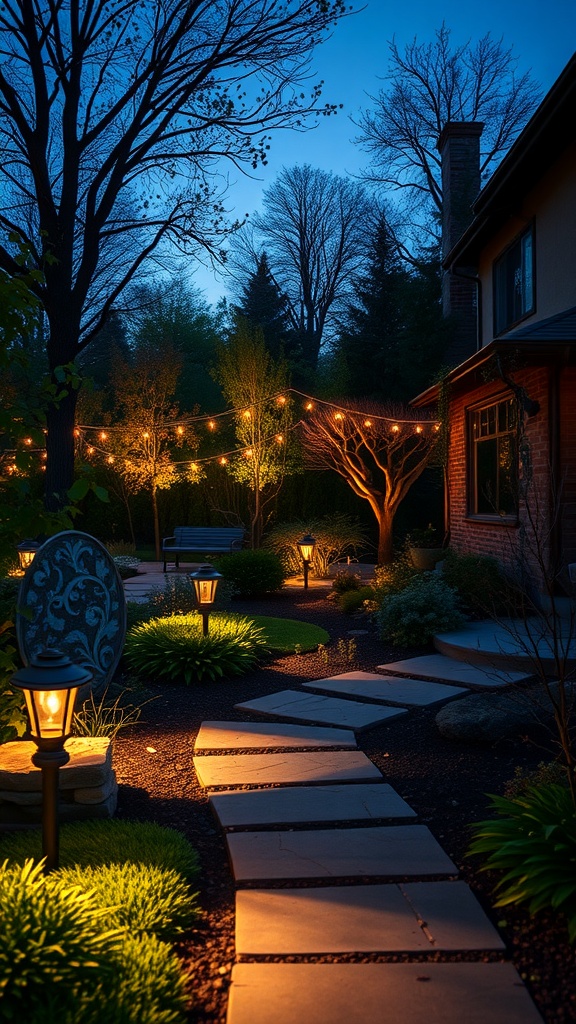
pixel 438 666
pixel 370 880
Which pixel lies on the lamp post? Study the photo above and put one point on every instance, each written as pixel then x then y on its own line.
pixel 50 684
pixel 306 548
pixel 26 551
pixel 205 581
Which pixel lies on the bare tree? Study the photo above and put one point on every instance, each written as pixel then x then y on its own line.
pixel 430 84
pixel 379 450
pixel 315 228
pixel 113 117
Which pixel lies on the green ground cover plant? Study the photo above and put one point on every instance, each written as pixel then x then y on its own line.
pixel 425 607
pixel 532 839
pixel 252 573
pixel 174 649
pixel 284 636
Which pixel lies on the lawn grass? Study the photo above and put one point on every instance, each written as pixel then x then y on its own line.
pixel 285 636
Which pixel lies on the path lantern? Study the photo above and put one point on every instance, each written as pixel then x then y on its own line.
pixel 26 551
pixel 306 547
pixel 50 684
pixel 205 581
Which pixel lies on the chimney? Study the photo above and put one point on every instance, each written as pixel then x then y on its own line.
pixel 459 147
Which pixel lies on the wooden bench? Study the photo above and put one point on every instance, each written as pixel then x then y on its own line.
pixel 211 540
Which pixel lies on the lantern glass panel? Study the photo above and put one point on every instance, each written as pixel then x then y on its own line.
pixel 51 712
pixel 205 591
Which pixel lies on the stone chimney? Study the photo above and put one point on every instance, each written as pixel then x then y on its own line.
pixel 459 147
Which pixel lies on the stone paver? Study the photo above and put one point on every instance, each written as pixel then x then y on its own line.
pixel 438 666
pixel 386 852
pixel 306 804
pixel 420 916
pixel 454 993
pixel 273 769
pixel 413 692
pixel 244 735
pixel 309 707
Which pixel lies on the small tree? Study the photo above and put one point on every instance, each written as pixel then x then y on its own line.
pixel 379 450
pixel 254 384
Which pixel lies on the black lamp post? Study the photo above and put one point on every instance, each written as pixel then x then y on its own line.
pixel 50 684
pixel 205 581
pixel 306 548
pixel 26 551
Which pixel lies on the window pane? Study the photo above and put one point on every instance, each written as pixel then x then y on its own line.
pixel 486 476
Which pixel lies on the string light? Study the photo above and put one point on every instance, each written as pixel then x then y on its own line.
pixel 103 435
pixel 280 438
pixel 418 430
pixel 395 428
pixel 248 453
pixel 281 399
pixel 338 416
pixel 247 414
pixel 211 425
pixel 223 461
pixel 27 440
pixel 110 459
pixel 90 450
pixel 309 406
pixel 180 430
pixel 76 432
pixel 367 423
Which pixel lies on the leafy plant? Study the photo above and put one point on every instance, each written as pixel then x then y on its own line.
pixel 392 578
pixel 544 773
pixel 425 607
pixel 336 535
pixel 175 649
pixel 427 537
pixel 345 581
pixel 55 944
pixel 106 717
pixel 92 843
pixel 479 582
pixel 353 600
pixel 347 649
pixel 143 897
pixel 149 986
pixel 284 635
pixel 533 841
pixel 252 572
pixel 13 720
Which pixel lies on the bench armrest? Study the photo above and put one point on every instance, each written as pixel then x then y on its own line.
pixel 166 539
pixel 236 545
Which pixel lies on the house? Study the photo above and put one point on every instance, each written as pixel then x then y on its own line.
pixel 509 259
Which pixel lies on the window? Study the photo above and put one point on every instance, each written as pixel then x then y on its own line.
pixel 514 282
pixel 494 460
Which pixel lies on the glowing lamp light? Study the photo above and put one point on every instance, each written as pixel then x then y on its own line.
pixel 205 581
pixel 338 416
pixel 90 450
pixel 180 430
pixel 280 438
pixel 281 400
pixel 436 426
pixel 50 684
pixel 395 428
pixel 103 435
pixel 367 423
pixel 223 461
pixel 110 459
pixel 211 425
pixel 247 414
pixel 76 432
pixel 27 440
pixel 418 430
pixel 145 434
pixel 309 406
pixel 306 547
pixel 26 551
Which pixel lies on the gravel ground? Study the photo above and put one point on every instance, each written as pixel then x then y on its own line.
pixel 445 782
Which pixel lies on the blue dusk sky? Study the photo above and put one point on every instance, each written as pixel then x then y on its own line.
pixel 353 63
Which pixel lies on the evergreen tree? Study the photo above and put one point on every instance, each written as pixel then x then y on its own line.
pixel 264 309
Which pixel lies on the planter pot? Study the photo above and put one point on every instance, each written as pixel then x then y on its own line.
pixel 425 558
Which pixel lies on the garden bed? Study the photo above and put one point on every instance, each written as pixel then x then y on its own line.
pixel 445 782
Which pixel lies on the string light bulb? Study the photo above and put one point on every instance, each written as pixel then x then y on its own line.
pixel 309 406
pixel 436 426
pixel 247 414
pixel 110 459
pixel 281 400
pixel 395 428
pixel 103 435
pixel 367 423
pixel 76 432
pixel 27 440
pixel 418 430
pixel 211 425
pixel 223 461
pixel 145 435
pixel 338 416
pixel 280 438
pixel 90 450
pixel 180 430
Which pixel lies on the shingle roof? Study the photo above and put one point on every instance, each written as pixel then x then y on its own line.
pixel 560 327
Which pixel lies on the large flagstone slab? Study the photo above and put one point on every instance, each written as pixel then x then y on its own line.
pixel 413 692
pixel 244 735
pixel 276 769
pixel 308 707
pixel 422 916
pixel 387 851
pixel 420 993
pixel 249 808
pixel 438 666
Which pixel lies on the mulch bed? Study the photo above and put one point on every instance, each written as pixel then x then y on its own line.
pixel 445 782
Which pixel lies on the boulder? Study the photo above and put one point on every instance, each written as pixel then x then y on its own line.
pixel 487 717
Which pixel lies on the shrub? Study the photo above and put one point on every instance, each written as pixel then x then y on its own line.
pixel 13 718
pixel 544 773
pixel 127 565
pixel 345 581
pixel 144 897
pixel 137 612
pixel 56 945
pixel 252 572
pixel 353 600
pixel 175 649
pixel 533 840
pixel 425 607
pixel 149 986
pixel 92 843
pixel 479 582
pixel 336 535
pixel 177 597
pixel 8 598
pixel 393 578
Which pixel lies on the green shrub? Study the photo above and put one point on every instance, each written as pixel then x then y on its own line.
pixel 425 607
pixel 345 581
pixel 252 572
pixel 479 583
pixel 137 612
pixel 353 600
pixel 13 718
pixel 56 945
pixel 393 578
pixel 336 535
pixel 543 774
pixel 149 986
pixel 533 840
pixel 175 649
pixel 283 636
pixel 92 843
pixel 8 597
pixel 145 897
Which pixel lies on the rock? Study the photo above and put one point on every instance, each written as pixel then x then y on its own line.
pixel 487 717
pixel 97 794
pixel 90 765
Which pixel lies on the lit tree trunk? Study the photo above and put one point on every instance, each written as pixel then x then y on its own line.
pixel 385 543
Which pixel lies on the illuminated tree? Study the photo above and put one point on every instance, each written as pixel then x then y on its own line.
pixel 379 450
pixel 254 384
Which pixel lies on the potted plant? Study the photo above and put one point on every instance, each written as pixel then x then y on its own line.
pixel 425 548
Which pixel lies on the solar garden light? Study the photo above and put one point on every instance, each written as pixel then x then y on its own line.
pixel 50 684
pixel 205 581
pixel 306 548
pixel 26 551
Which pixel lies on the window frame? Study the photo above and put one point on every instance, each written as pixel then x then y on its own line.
pixel 499 329
pixel 508 519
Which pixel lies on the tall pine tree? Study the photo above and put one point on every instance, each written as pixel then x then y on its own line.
pixel 264 309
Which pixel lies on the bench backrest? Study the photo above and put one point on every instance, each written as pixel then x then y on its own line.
pixel 188 536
